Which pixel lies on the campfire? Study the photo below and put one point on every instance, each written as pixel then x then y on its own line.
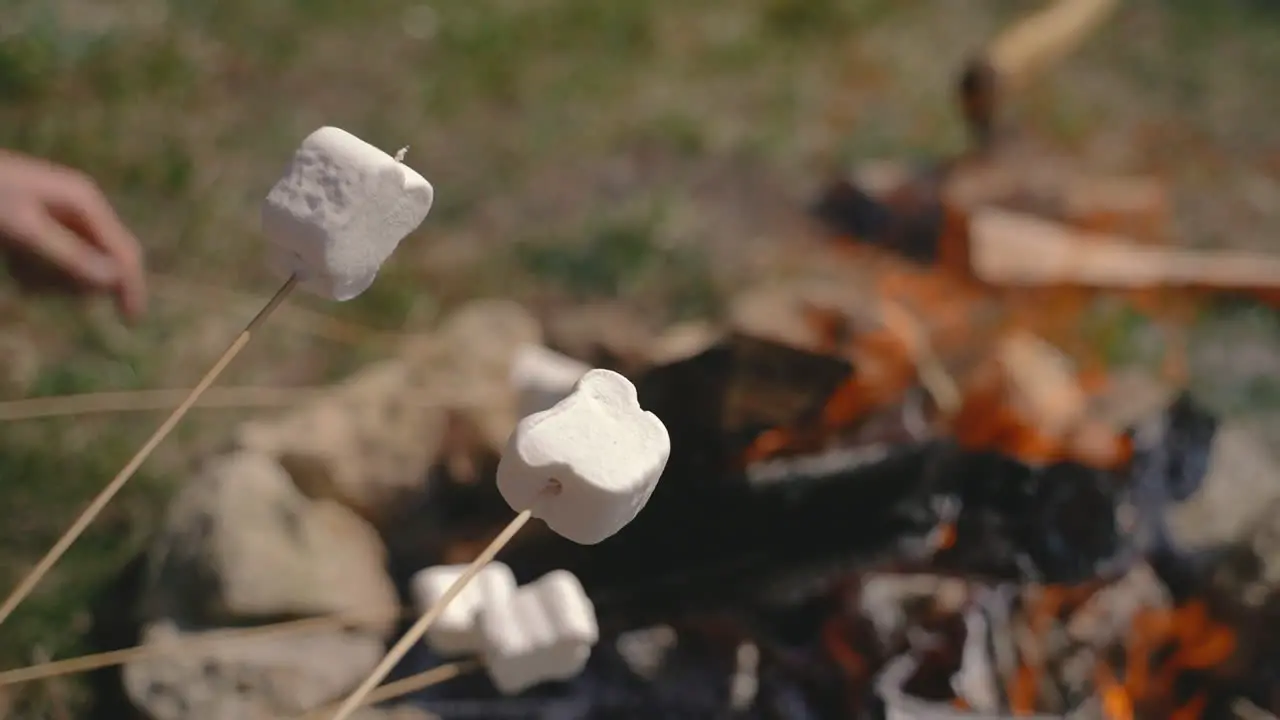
pixel 796 563
pixel 830 541
pixel 912 498
pixel 923 511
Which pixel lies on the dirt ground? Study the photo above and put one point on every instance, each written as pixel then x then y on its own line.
pixel 657 151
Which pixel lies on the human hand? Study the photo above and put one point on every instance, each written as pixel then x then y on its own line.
pixel 57 217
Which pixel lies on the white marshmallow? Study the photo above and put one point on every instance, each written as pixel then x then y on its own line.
pixel 543 633
pixel 597 453
pixel 456 631
pixel 543 377
pixel 338 213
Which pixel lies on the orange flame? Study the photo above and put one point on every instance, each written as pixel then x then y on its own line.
pixel 1045 604
pixel 1163 644
pixel 1024 691
pixel 1115 701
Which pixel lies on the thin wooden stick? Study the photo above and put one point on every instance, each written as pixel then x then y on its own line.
pixel 145 400
pixel 415 633
pixel 47 670
pixel 411 684
pixel 90 513
pixel 97 661
pixel 316 323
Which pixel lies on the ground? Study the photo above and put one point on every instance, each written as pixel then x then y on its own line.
pixel 651 150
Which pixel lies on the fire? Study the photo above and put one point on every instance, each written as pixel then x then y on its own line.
pixel 1115 701
pixel 945 536
pixel 769 443
pixel 1162 645
pixel 1044 606
pixel 887 364
pixel 884 373
pixel 1024 691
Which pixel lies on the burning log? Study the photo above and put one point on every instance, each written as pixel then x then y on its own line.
pixel 1013 249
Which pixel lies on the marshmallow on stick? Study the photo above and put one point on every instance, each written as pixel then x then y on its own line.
pixel 588 465
pixel 457 631
pixel 542 633
pixel 339 211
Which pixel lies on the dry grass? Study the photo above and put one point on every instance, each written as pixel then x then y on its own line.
pixel 643 149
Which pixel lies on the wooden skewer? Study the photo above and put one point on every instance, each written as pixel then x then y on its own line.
pixel 415 633
pixel 97 661
pixel 77 528
pixel 411 684
pixel 146 400
pixel 48 670
pixel 53 692
pixel 316 323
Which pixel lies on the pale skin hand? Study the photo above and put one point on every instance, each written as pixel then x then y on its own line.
pixel 60 216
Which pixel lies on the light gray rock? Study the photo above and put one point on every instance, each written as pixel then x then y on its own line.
pixel 241 542
pixel 1265 544
pixel 369 443
pixel 193 676
pixel 602 334
pixel 1239 490
pixel 366 443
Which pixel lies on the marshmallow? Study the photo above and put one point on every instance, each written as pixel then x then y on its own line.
pixel 338 213
pixel 456 631
pixel 543 633
pixel 596 454
pixel 543 377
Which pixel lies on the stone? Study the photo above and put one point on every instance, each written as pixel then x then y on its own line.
pixel 366 444
pixel 248 678
pixel 1264 541
pixel 241 542
pixel 468 361
pixel 371 441
pixel 1241 486
pixel 604 335
pixel 682 341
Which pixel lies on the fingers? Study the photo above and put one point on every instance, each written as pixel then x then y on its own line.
pixel 41 235
pixel 60 215
pixel 77 202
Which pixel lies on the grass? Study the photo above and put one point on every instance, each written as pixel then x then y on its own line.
pixel 567 140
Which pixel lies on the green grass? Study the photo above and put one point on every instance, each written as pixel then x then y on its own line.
pixel 560 135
